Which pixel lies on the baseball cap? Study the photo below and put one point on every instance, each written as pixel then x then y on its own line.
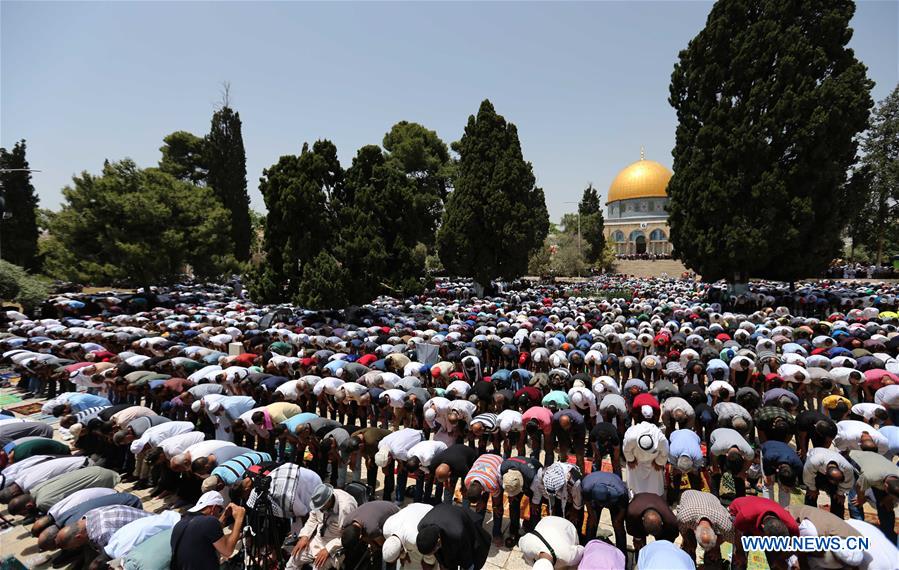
pixel 513 482
pixel 208 499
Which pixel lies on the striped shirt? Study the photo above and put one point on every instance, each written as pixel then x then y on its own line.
pixel 88 414
pixel 234 469
pixel 489 420
pixel 486 471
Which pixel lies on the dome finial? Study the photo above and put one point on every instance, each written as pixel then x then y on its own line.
pixel 642 153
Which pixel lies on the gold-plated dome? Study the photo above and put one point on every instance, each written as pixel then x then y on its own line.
pixel 641 179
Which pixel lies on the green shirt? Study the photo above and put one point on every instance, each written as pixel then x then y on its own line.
pixel 42 446
pixel 281 348
pixel 48 494
pixel 873 469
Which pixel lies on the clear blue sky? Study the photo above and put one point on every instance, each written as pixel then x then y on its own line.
pixel 586 83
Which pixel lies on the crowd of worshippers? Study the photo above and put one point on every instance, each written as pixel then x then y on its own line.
pixel 436 428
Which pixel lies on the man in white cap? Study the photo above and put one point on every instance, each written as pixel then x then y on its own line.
pixel 554 541
pixel 198 541
pixel 400 532
pixel 332 509
pixel 645 449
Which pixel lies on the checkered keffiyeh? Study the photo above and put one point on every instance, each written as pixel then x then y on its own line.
pixel 766 415
pixel 697 505
pixel 103 522
pixel 555 478
pixel 282 490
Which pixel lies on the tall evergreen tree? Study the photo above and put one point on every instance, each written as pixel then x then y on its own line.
pixel 881 161
pixel 184 157
pixel 227 163
pixel 496 215
pixel 592 224
pixel 769 102
pixel 18 226
pixel 299 223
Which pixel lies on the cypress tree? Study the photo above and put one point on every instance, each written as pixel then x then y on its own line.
pixel 769 102
pixel 226 160
pixel 496 215
pixel 18 227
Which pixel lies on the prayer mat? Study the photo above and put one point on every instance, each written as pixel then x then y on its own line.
pixel 27 409
pixel 7 399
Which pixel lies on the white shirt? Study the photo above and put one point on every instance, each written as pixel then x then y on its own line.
pixel 12 473
pixel 400 442
pixel 174 445
pixel 43 472
pixel 328 385
pixel 510 421
pixel 866 410
pixel 204 448
pixel 204 373
pixel 77 498
pixel 459 387
pixel 354 391
pixel 558 532
pixel 155 435
pixel 631 444
pixel 127 537
pixel 850 431
pixel 397 397
pixel 881 553
pixel 404 525
pixel 464 407
pixel 425 451
pixel 888 397
pixel 816 463
pixel 582 398
pixel 290 390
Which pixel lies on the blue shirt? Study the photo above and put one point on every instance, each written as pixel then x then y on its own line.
pixel 605 488
pixel 664 555
pixel 892 435
pixel 234 406
pixel 685 442
pixel 292 422
pixel 82 401
pixel 776 452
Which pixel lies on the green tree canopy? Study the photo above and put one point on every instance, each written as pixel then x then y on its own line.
pixel 881 164
pixel 183 156
pixel 769 101
pixel 18 208
pixel 496 215
pixel 137 227
pixel 592 225
pixel 227 162
pixel 300 221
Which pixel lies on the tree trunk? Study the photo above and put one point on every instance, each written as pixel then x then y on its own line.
pixel 879 258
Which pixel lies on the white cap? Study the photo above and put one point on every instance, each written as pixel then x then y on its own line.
pixel 209 499
pixel 196 406
pixel 214 407
pixel 646 411
pixel 75 430
pixel 392 549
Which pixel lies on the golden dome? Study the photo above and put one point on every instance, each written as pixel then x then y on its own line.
pixel 641 179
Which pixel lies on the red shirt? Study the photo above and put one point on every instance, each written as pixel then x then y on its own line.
pixel 748 513
pixel 646 399
pixel 533 394
pixel 544 417
pixel 367 359
pixel 246 359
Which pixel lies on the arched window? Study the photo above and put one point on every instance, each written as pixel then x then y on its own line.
pixel 636 234
pixel 657 235
pixel 618 236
